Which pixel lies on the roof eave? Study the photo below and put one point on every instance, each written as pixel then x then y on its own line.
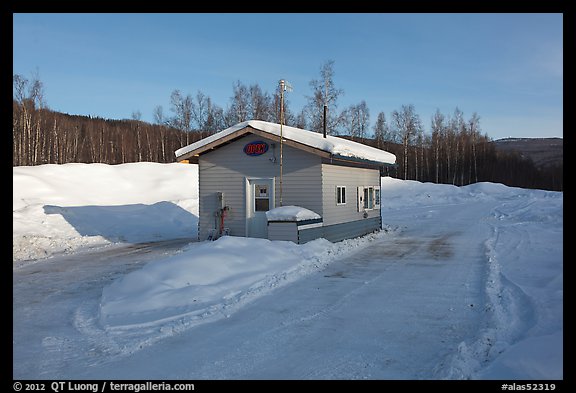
pixel 214 144
pixel 361 160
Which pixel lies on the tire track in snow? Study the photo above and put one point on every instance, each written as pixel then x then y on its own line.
pixel 54 328
pixel 509 311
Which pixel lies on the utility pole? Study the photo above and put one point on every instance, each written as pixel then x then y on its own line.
pixel 284 86
pixel 325 107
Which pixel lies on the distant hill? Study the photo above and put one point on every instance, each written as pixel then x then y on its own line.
pixel 544 152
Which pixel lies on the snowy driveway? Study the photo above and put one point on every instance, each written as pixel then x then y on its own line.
pixel 48 294
pixel 398 308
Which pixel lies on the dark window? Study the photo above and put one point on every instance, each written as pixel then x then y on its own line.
pixel 261 198
pixel 262 205
pixel 340 195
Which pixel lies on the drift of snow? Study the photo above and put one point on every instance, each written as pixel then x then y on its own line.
pixel 211 279
pixel 331 144
pixel 514 239
pixel 291 213
pixel 65 208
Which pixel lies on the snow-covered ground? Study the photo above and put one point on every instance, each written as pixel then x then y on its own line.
pixel 464 282
pixel 64 208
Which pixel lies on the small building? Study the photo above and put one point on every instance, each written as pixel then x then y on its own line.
pixel 244 172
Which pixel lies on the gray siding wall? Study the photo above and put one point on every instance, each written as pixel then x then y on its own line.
pixel 283 231
pixel 338 232
pixel 226 169
pixel 352 178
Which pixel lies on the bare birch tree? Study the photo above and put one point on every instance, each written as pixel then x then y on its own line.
pixel 324 92
pixel 438 130
pixel 406 124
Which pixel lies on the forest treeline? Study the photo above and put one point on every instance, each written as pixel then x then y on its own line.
pixel 452 151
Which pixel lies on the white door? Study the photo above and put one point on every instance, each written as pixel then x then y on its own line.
pixel 260 199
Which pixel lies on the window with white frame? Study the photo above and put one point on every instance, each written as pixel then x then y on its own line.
pixel 340 195
pixel 368 198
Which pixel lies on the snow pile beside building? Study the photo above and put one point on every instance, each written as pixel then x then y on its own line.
pixel 212 279
pixel 64 208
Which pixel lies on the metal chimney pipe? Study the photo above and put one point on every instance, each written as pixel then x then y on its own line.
pixel 325 110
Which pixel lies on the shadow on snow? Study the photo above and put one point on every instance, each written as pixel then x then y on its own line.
pixel 133 223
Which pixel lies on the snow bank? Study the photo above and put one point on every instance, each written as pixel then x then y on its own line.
pixel 400 194
pixel 63 208
pixel 212 279
pixel 291 213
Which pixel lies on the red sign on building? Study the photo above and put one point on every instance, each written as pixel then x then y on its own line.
pixel 256 148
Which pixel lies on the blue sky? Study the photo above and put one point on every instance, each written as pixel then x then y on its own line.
pixel 508 67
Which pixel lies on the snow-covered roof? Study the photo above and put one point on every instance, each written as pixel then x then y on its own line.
pixel 291 213
pixel 338 147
